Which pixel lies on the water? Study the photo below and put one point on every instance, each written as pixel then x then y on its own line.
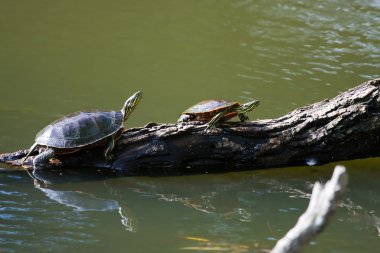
pixel 57 57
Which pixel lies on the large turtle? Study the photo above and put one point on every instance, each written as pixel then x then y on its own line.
pixel 214 111
pixel 82 129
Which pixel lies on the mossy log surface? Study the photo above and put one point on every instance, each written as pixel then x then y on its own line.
pixel 342 128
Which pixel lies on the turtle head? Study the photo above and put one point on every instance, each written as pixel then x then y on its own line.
pixel 247 107
pixel 131 104
pixel 185 118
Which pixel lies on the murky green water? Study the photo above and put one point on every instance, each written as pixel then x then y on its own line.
pixel 57 57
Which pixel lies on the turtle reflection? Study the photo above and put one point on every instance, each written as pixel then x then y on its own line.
pixel 82 201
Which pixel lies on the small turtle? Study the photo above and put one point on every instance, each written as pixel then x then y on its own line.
pixel 214 111
pixel 84 129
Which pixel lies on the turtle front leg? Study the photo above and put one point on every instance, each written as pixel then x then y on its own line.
pixel 215 120
pixel 42 160
pixel 108 151
pixel 243 117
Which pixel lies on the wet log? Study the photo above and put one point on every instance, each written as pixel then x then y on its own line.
pixel 343 128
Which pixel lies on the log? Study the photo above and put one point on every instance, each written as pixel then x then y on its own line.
pixel 310 135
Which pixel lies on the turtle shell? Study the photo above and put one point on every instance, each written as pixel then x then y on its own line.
pixel 207 109
pixel 80 129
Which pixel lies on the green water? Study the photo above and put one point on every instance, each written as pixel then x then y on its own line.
pixel 57 57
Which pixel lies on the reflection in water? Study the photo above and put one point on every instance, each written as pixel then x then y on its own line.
pixel 203 244
pixel 83 201
pixel 236 213
pixel 80 201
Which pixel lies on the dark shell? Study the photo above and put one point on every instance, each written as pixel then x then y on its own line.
pixel 80 129
pixel 210 106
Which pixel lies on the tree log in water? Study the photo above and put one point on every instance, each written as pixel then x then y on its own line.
pixel 343 128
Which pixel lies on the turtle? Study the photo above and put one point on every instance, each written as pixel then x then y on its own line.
pixel 80 130
pixel 216 110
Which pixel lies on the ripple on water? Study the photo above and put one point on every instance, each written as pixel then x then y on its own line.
pixel 13 193
pixel 29 222
pixel 325 35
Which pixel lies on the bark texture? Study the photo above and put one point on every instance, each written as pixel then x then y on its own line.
pixel 343 128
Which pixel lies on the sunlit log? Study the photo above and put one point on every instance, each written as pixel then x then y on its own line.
pixel 342 128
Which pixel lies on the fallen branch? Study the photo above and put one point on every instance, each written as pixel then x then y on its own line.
pixel 322 205
pixel 313 134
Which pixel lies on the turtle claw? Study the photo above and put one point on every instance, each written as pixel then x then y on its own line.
pixel 110 157
pixel 43 159
pixel 243 118
pixel 210 128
